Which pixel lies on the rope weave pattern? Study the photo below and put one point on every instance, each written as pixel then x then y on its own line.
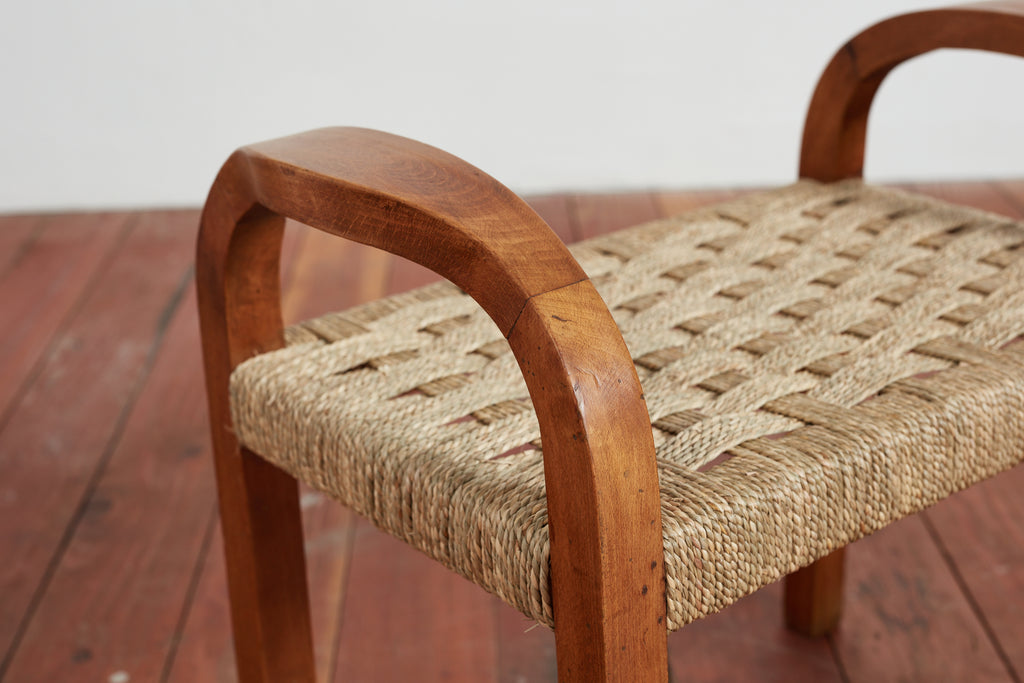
pixel 818 362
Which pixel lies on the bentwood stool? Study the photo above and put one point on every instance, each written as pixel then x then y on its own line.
pixel 619 437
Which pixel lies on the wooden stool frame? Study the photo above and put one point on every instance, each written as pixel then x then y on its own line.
pixel 430 207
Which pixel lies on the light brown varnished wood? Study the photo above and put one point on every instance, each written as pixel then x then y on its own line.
pixel 425 205
pixel 415 201
pixel 204 653
pixel 239 309
pixel 836 124
pixel 606 557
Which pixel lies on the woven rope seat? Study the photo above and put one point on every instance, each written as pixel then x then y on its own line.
pixel 818 361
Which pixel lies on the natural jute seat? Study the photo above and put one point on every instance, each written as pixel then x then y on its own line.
pixel 820 311
pixel 800 368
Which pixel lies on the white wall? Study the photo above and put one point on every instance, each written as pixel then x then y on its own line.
pixel 112 103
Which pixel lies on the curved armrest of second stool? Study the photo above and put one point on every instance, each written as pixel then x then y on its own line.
pixel 432 208
pixel 837 119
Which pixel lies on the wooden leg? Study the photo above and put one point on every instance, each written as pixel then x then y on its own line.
pixel 266 566
pixel 814 596
pixel 601 657
pixel 239 304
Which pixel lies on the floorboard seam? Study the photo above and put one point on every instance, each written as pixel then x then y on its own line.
pixel 72 312
pixel 190 594
pixel 969 597
pixel 115 438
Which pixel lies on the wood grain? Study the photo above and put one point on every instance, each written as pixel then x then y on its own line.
pixel 409 619
pixel 526 650
pixel 42 287
pixel 604 506
pixel 814 595
pixel 749 642
pixel 204 653
pixel 833 144
pixel 555 210
pixel 558 211
pixel 601 214
pixel 62 431
pixel 906 618
pixel 123 580
pixel 980 531
pixel 408 198
pixel 980 195
pixel 17 232
pixel 673 203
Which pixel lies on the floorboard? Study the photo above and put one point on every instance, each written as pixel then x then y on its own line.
pixel 981 533
pixel 42 287
pixel 557 212
pixel 599 214
pixel 65 424
pixel 748 642
pixel 905 617
pixel 673 203
pixel 407 619
pixel 981 530
pixel 115 601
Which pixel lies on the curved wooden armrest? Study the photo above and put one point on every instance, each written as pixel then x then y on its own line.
pixel 836 124
pixel 432 208
pixel 412 200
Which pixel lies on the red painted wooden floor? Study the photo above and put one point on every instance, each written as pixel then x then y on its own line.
pixel 110 557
